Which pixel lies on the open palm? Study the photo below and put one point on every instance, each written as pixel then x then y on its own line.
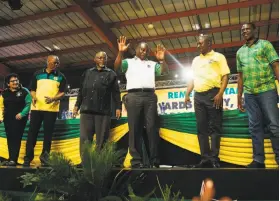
pixel 122 44
pixel 160 52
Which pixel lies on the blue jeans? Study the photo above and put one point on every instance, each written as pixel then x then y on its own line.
pixel 263 113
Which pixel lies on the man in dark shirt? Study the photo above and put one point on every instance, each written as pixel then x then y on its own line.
pixel 98 85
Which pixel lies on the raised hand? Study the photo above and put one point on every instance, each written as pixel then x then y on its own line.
pixel 122 44
pixel 208 192
pixel 160 52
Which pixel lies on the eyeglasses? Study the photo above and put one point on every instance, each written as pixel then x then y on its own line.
pixel 104 58
pixel 13 80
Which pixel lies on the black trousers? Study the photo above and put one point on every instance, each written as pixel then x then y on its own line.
pixel 209 123
pixel 14 131
pixel 142 110
pixel 94 123
pixel 37 117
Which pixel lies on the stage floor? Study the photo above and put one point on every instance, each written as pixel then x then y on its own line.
pixel 237 183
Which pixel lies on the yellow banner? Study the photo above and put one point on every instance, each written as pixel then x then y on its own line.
pixel 171 101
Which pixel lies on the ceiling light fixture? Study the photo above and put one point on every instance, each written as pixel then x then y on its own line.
pixel 207 25
pixel 150 26
pixel 48 48
pixel 196 26
pixel 56 47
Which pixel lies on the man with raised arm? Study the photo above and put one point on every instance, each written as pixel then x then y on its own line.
pixel 141 100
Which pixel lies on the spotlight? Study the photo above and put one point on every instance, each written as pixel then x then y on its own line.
pixel 150 26
pixel 188 73
pixel 15 4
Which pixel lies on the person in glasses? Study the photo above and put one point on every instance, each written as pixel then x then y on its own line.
pixel 15 104
pixel 47 88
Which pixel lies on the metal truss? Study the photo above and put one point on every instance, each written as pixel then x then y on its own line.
pixel 159 85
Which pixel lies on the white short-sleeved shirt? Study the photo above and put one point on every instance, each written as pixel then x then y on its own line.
pixel 140 73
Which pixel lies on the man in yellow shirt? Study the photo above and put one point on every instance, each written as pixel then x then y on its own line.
pixel 47 88
pixel 210 78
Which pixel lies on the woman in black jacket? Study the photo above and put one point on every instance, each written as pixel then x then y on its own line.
pixel 15 104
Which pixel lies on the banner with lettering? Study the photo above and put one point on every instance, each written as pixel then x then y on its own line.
pixel 172 101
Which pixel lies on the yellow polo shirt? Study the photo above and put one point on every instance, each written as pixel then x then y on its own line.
pixel 47 84
pixel 208 71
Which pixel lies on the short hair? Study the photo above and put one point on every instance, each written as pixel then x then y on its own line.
pixel 206 37
pixel 51 55
pixel 252 25
pixel 8 78
pixel 140 43
pixel 103 53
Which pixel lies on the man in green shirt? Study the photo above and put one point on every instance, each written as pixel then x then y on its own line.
pixel 141 100
pixel 257 66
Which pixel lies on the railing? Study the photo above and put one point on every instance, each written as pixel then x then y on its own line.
pixel 159 84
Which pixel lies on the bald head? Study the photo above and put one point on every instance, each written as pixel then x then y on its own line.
pixel 52 62
pixel 204 44
pixel 142 50
pixel 100 59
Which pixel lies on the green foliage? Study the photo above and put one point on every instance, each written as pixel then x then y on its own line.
pixel 168 195
pixel 62 180
pixel 5 197
pixel 133 197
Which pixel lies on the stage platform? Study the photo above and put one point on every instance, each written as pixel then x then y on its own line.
pixel 237 183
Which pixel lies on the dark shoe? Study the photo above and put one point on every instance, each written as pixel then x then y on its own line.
pixel 11 163
pixel 79 165
pixel 26 164
pixel 44 158
pixel 215 164
pixel 155 165
pixel 202 164
pixel 116 166
pixel 256 164
pixel 43 164
pixel 139 165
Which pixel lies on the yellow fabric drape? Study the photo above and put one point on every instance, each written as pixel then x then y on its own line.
pixel 232 150
pixel 69 147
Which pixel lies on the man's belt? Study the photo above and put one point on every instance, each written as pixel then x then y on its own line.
pixel 208 91
pixel 141 90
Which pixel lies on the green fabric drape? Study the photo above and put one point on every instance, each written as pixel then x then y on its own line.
pixel 235 123
pixel 64 129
